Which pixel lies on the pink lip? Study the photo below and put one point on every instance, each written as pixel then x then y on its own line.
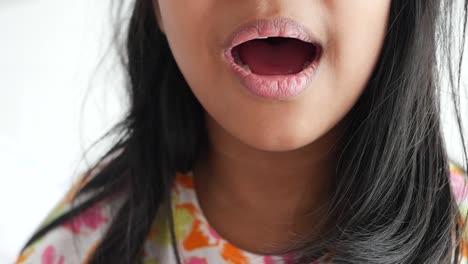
pixel 279 87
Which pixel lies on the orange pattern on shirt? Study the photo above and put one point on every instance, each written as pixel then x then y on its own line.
pixel 196 238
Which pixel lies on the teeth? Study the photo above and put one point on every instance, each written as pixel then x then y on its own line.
pixel 306 64
pixel 246 68
pixel 237 58
pixel 239 62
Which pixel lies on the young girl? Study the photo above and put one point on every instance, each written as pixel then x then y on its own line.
pixel 274 132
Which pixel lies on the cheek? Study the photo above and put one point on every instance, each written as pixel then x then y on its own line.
pixel 357 34
pixel 355 31
pixel 187 26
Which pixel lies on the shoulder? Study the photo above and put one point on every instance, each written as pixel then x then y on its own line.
pixel 74 240
pixel 459 187
pixel 458 182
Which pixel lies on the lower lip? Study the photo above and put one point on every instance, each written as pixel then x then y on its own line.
pixel 277 87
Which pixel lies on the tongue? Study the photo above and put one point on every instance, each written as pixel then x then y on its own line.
pixel 275 56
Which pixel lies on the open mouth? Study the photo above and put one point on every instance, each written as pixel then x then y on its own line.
pixel 276 55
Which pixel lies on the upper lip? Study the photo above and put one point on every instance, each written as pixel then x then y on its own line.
pixel 275 27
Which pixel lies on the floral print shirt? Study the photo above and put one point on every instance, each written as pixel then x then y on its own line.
pixel 198 243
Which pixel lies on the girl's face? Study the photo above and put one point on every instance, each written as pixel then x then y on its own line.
pixel 350 34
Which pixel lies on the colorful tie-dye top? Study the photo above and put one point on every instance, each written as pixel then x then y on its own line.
pixel 75 240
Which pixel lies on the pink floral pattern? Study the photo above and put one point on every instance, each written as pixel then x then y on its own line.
pixel 49 256
pixel 91 219
pixel 198 242
pixel 458 183
pixel 196 260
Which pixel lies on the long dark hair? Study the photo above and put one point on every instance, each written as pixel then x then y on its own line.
pixel 392 202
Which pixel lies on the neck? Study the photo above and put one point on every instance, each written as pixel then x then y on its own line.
pixel 272 194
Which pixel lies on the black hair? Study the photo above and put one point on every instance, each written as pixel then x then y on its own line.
pixel 392 201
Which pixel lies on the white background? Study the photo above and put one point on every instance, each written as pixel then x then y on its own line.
pixel 49 53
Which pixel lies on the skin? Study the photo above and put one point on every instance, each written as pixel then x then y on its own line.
pixel 269 170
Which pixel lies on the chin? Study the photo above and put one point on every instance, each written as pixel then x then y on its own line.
pixel 279 142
